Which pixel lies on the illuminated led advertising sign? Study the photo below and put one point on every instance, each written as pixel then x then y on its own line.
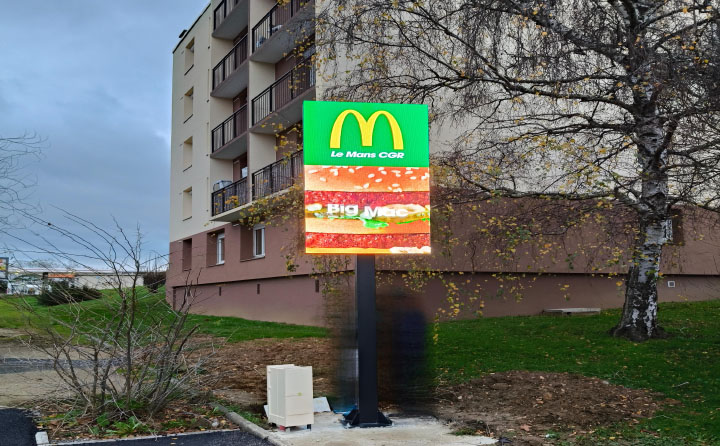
pixel 367 178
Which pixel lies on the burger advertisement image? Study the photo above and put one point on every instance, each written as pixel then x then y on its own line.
pixel 367 178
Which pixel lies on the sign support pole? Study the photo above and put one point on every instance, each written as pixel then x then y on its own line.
pixel 367 413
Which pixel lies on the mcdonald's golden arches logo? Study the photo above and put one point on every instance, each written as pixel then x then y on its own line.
pixel 366 128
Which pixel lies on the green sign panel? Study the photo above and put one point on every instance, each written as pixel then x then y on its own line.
pixel 367 178
pixel 365 134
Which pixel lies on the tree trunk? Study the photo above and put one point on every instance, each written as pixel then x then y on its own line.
pixel 639 318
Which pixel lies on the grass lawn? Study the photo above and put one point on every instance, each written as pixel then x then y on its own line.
pixel 233 329
pixel 685 367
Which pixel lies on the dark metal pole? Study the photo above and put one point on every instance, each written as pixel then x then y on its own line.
pixel 367 414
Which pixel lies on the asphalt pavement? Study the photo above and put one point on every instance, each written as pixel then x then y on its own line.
pixel 16 428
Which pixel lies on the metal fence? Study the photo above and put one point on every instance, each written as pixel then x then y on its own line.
pixel 292 84
pixel 231 128
pixel 222 11
pixel 230 62
pixel 273 21
pixel 230 197
pixel 277 176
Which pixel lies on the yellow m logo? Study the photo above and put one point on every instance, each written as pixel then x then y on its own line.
pixel 366 128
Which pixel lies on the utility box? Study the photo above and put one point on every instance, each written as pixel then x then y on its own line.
pixel 290 395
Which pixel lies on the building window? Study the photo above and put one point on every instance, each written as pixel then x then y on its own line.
pixel 187 203
pixel 187 254
pixel 187 153
pixel 676 221
pixel 188 103
pixel 259 241
pixel 189 55
pixel 220 248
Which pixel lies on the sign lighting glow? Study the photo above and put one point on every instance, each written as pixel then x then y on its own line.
pixel 367 178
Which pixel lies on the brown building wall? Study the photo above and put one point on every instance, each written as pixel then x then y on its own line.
pixel 291 300
pixel 288 294
pixel 296 300
pixel 544 292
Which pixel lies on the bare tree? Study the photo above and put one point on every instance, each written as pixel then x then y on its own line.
pixel 15 183
pixel 609 100
pixel 129 353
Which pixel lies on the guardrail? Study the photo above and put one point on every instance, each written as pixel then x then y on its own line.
pixel 292 84
pixel 231 128
pixel 274 20
pixel 222 11
pixel 277 176
pixel 230 197
pixel 230 62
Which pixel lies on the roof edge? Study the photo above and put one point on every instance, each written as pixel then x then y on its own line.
pixel 191 27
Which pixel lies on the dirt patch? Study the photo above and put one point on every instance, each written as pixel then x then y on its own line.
pixel 64 424
pixel 525 405
pixel 242 366
pixel 520 405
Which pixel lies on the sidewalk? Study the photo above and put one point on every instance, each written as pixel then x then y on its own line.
pixel 328 431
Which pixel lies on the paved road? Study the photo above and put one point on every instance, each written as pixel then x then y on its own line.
pixel 224 438
pixel 16 428
pixel 19 365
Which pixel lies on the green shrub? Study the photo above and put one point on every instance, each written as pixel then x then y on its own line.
pixel 154 280
pixel 58 293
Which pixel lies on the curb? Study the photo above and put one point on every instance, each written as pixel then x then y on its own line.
pixel 251 428
pixel 41 438
pixel 145 437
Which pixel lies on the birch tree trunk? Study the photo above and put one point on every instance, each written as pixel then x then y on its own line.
pixel 639 317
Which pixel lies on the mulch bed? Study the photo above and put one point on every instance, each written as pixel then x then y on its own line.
pixel 524 405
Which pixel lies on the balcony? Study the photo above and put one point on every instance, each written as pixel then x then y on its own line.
pixel 230 76
pixel 277 176
pixel 281 103
pixel 229 139
pixel 229 18
pixel 229 198
pixel 294 17
pixel 229 201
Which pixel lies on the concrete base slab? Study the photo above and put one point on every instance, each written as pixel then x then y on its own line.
pixel 328 431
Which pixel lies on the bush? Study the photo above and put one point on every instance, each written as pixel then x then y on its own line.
pixel 154 280
pixel 58 293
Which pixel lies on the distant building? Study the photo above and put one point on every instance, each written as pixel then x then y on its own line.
pixel 31 280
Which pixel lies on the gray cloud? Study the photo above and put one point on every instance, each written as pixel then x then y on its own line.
pixel 93 78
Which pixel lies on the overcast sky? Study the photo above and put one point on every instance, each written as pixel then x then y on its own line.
pixel 93 78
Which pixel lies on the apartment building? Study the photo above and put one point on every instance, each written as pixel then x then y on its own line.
pixel 241 72
pixel 240 75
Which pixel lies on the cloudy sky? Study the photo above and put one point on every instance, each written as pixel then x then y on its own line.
pixel 93 79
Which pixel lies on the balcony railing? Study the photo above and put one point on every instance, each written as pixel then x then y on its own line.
pixel 293 83
pixel 274 20
pixel 222 11
pixel 231 128
pixel 230 197
pixel 277 176
pixel 231 62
